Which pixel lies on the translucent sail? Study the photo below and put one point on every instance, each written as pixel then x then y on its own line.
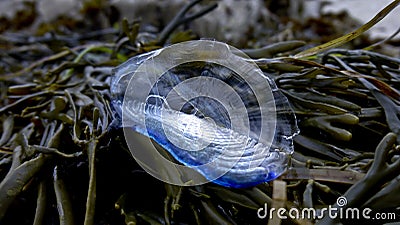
pixel 227 121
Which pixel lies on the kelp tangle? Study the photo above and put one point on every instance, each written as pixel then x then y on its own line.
pixel 63 159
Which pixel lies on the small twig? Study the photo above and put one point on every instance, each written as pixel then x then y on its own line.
pixel 21 100
pixel 273 49
pixel 40 204
pixel 383 41
pixel 91 151
pixel 337 176
pixel 279 198
pixel 167 202
pixel 91 196
pixel 180 18
pixel 47 150
pixel 64 206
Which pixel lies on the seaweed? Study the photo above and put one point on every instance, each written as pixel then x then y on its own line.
pixel 63 161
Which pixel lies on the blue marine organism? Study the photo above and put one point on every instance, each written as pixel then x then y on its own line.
pixel 209 117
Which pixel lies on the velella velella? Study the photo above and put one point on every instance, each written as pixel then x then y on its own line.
pixel 213 110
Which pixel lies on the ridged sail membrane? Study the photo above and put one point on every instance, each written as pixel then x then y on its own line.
pixel 213 111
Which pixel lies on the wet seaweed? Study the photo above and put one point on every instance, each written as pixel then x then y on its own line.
pixel 62 160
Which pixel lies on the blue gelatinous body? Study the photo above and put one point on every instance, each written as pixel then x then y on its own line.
pixel 200 132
